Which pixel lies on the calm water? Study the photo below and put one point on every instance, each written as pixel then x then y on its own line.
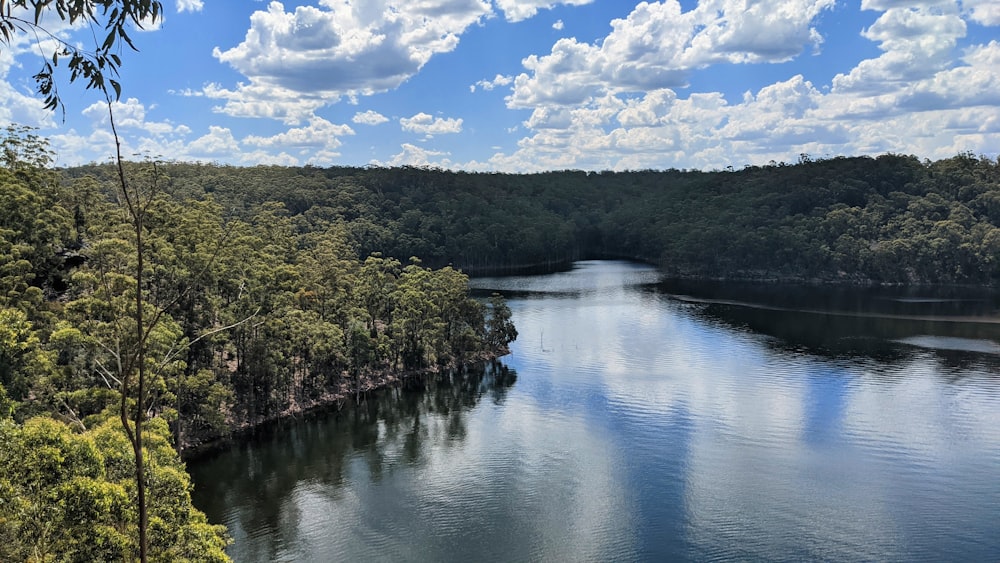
pixel 638 420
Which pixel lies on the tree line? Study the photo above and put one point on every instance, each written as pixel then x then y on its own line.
pixel 886 219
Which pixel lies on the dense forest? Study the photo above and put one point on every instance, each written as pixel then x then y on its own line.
pixel 228 320
pixel 271 290
pixel 889 219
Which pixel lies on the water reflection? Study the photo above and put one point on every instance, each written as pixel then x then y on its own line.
pixel 779 428
pixel 264 489
pixel 643 426
pixel 889 325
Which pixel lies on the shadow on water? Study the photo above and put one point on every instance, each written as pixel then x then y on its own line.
pixel 389 428
pixel 960 327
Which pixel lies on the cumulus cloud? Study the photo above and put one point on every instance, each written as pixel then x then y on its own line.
pixel 658 45
pixel 412 155
pixel 315 142
pixel 498 80
pixel 614 103
pixel 17 105
pixel 983 12
pixel 256 100
pixel 369 117
pixel 429 125
pixel 339 48
pixel 319 133
pixel 190 5
pixel 131 114
pixel 558 25
pixel 254 158
pixel 217 143
pixel 916 43
pixel 20 103
pixel 518 10
pixel 623 101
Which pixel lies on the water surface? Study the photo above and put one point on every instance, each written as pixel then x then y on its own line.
pixel 644 420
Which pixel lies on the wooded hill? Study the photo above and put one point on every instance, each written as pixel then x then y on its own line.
pixel 250 317
pixel 268 290
pixel 120 292
pixel 890 219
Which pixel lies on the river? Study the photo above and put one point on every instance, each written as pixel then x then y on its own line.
pixel 641 420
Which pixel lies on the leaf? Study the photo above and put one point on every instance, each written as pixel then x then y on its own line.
pixel 109 42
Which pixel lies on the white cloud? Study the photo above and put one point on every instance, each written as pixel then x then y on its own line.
pixel 558 25
pixel 369 117
pixel 319 133
pixel 975 84
pixel 984 12
pixel 658 45
pixel 518 10
pixel 916 44
pixel 498 80
pixel 73 148
pixel 188 92
pixel 259 157
pixel 425 124
pixel 412 155
pixel 17 105
pixel 131 114
pixel 217 143
pixel 255 100
pixel 190 5
pixel 339 49
pixel 614 103
pixel 946 112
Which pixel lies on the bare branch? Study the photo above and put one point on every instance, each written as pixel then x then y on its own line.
pixel 170 357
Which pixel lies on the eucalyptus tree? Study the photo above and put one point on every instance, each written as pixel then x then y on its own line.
pixel 67 496
pixel 97 67
pixel 500 329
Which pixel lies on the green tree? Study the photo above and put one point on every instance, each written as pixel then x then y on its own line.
pixel 98 68
pixel 22 358
pixel 500 330
pixel 35 227
pixel 68 496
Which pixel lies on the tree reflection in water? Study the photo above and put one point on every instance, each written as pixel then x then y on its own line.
pixel 391 427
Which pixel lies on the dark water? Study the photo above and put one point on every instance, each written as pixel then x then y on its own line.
pixel 638 420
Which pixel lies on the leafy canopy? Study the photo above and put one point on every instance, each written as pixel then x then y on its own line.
pixel 97 67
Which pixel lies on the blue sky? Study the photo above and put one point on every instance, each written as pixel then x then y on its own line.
pixel 529 85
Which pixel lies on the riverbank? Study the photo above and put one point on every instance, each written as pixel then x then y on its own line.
pixel 333 399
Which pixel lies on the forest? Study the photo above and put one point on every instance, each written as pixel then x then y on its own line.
pixel 242 319
pixel 268 291
pixel 890 219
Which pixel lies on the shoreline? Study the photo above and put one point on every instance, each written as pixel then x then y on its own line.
pixel 329 401
pixel 828 279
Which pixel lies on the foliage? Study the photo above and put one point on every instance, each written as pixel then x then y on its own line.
pixel 500 330
pixel 246 317
pixel 69 496
pixel 22 359
pixel 35 226
pixel 97 67
pixel 269 290
pixel 889 219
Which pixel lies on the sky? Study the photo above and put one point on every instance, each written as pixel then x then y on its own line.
pixel 533 85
